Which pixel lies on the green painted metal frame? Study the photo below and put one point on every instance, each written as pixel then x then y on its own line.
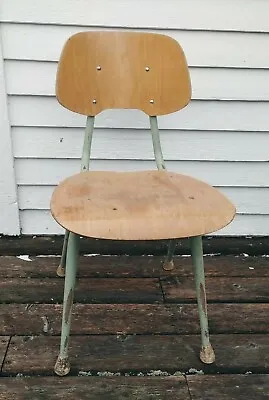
pixel 71 251
pixel 207 353
pixel 85 163
pixel 68 266
pixel 168 264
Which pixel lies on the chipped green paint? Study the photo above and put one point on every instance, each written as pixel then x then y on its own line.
pixel 70 278
pixel 199 274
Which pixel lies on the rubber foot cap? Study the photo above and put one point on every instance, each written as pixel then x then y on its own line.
pixel 207 355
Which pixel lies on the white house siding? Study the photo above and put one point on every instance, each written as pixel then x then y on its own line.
pixel 222 137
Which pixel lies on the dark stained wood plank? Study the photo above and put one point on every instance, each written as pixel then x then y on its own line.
pixel 87 319
pixel 134 290
pixel 232 289
pixel 95 388
pixel 146 290
pixel 3 348
pixel 229 387
pixel 36 319
pixel 135 353
pixel 134 266
pixel 10 245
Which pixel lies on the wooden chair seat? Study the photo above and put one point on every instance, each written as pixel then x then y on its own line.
pixel 144 205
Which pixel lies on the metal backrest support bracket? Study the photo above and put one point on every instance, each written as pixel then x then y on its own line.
pixel 86 152
pixel 156 143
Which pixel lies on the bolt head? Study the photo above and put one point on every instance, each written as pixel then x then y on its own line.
pixel 147 69
pixel 98 67
pixel 151 101
pixel 94 101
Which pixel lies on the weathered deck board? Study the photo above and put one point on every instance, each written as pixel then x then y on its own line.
pixel 228 289
pixel 135 331
pixel 135 290
pixel 134 267
pixel 53 245
pixel 3 348
pixel 133 319
pixel 229 387
pixel 234 353
pixel 95 388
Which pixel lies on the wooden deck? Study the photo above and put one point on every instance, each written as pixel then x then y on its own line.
pixel 135 330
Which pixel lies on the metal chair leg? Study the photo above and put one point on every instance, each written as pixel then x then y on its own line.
pixel 62 366
pixel 61 268
pixel 207 355
pixel 168 264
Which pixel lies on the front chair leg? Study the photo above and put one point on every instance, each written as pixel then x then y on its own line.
pixel 61 268
pixel 62 366
pixel 207 355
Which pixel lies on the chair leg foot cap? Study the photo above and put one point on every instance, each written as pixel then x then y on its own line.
pixel 60 271
pixel 168 265
pixel 207 355
pixel 62 366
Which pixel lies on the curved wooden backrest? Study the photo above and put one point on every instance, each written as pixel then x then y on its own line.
pixel 104 70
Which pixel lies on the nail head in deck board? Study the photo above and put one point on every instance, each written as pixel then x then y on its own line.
pixel 134 266
pixel 234 353
pixel 232 289
pixel 35 245
pixel 229 387
pixel 15 319
pixel 94 388
pixel 135 290
pixel 3 348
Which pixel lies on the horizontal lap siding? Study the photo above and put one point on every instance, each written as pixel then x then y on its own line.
pixel 222 137
pixel 225 15
pixel 202 48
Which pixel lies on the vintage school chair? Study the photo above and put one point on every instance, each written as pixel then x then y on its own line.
pixel 148 72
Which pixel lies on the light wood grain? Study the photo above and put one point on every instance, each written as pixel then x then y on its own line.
pixel 207 83
pixel 249 200
pixel 105 70
pixel 40 222
pixel 139 205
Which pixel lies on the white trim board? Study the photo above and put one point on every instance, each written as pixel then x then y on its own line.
pixel 9 213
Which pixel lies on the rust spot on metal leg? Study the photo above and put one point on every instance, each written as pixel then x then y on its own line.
pixel 69 303
pixel 202 297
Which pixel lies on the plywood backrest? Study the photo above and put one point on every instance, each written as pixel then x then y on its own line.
pixel 104 70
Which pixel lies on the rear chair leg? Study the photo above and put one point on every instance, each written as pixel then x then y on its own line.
pixel 207 355
pixel 62 366
pixel 61 268
pixel 168 264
